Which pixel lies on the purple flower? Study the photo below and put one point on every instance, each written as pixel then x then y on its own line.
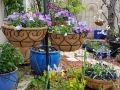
pixel 24 21
pixel 89 30
pixel 19 27
pixel 57 14
pixel 82 24
pixel 75 28
pixel 41 17
pixel 59 9
pixel 37 14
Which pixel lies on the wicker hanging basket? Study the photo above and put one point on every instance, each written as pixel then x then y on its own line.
pixel 71 42
pixel 57 23
pixel 26 37
pixel 97 84
pixel 99 22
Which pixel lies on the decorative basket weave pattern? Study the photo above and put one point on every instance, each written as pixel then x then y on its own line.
pixel 71 42
pixel 26 37
pixel 57 23
pixel 99 23
pixel 97 84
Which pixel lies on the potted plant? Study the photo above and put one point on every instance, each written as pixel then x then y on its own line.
pixel 68 37
pixel 100 75
pixel 26 30
pixel 10 57
pixel 38 58
pixel 58 15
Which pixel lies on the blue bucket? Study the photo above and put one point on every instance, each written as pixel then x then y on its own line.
pixel 8 80
pixel 38 60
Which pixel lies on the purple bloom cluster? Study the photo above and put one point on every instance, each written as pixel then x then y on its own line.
pixel 102 54
pixel 81 27
pixel 29 20
pixel 100 71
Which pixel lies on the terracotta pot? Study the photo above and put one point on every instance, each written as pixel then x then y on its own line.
pixel 97 84
pixel 26 37
pixel 71 42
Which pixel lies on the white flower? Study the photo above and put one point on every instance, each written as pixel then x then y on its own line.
pixel 107 27
pixel 55 69
pixel 68 22
pixel 31 19
pixel 19 27
pixel 65 34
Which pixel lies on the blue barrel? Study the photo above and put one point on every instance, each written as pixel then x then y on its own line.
pixel 38 60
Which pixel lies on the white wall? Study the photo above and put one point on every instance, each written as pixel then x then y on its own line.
pixel 2 37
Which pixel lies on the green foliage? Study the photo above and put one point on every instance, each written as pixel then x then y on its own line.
pixel 74 6
pixel 97 45
pixel 61 29
pixel 13 6
pixel 101 71
pixel 10 57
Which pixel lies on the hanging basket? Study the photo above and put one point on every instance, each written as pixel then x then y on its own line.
pixel 99 22
pixel 71 42
pixel 57 23
pixel 27 37
pixel 97 84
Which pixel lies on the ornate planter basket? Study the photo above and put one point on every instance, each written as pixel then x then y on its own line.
pixel 54 23
pixel 71 42
pixel 97 84
pixel 26 37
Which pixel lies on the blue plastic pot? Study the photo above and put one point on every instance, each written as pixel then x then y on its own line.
pixel 38 60
pixel 99 36
pixel 84 45
pixel 8 80
pixel 104 55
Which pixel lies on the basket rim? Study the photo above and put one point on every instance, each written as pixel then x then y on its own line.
pixel 98 81
pixel 28 28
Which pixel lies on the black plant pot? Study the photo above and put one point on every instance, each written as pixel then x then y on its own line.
pixel 114 48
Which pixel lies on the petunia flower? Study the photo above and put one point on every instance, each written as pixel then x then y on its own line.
pixel 19 27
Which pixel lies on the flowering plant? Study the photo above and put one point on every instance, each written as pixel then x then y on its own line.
pixel 57 13
pixel 20 20
pixel 59 79
pixel 72 27
pixel 100 71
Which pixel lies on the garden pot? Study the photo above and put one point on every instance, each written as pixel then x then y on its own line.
pixel 114 48
pixel 89 49
pixel 99 36
pixel 8 80
pixel 38 59
pixel 96 84
pixel 26 37
pixel 71 42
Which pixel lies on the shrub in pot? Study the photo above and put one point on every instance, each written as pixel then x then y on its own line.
pixel 10 57
pixel 38 58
